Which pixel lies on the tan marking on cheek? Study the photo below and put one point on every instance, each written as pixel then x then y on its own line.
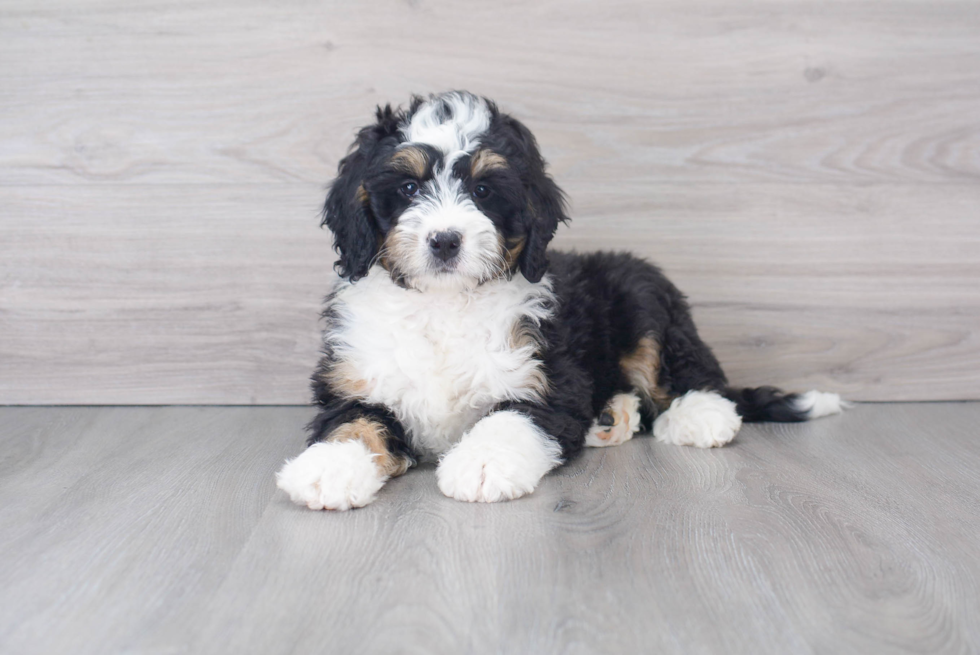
pixel 374 436
pixel 397 250
pixel 508 251
pixel 485 161
pixel 642 369
pixel 361 195
pixel 512 250
pixel 411 161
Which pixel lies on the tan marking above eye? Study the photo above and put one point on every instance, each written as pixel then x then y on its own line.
pixel 411 161
pixel 484 161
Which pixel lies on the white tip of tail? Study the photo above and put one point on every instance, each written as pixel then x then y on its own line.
pixel 820 403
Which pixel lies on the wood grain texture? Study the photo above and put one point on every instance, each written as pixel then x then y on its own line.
pixel 159 530
pixel 154 296
pixel 808 172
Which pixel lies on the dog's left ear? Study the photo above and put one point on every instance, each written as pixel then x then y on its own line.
pixel 545 206
pixel 347 210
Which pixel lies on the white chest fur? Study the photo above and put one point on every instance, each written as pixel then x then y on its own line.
pixel 440 360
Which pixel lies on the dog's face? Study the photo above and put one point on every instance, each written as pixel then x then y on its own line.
pixel 448 194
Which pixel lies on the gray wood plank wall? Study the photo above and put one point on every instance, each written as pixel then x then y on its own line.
pixel 808 172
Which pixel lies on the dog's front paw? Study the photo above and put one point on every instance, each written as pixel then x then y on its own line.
pixel 698 418
pixel 332 475
pixel 503 457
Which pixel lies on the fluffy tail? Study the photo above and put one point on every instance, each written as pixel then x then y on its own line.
pixel 771 404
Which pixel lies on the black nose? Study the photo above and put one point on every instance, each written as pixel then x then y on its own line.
pixel 445 245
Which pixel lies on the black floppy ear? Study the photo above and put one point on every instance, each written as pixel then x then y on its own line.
pixel 544 208
pixel 347 210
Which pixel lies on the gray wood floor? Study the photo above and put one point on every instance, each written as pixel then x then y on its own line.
pixel 159 530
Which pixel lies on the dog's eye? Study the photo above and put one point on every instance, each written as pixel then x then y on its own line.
pixel 481 191
pixel 409 189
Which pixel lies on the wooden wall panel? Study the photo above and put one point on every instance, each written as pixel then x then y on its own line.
pixel 808 172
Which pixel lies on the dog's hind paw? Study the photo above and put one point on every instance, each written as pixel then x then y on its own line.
pixel 619 421
pixel 698 418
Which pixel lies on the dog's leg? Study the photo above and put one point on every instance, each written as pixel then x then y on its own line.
pixel 348 461
pixel 704 419
pixel 502 457
pixel 617 423
pixel 699 415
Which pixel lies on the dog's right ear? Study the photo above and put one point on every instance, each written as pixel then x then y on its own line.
pixel 347 210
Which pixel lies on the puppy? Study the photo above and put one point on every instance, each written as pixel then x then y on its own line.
pixel 455 336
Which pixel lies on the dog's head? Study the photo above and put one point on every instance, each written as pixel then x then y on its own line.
pixel 448 194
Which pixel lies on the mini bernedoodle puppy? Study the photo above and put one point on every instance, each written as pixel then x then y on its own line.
pixel 455 336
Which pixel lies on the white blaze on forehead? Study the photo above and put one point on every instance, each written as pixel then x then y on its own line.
pixel 452 131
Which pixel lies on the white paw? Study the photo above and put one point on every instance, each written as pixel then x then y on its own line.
pixel 818 404
pixel 624 410
pixel 698 418
pixel 503 457
pixel 332 475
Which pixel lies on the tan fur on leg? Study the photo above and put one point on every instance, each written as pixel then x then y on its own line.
pixel 617 423
pixel 374 436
